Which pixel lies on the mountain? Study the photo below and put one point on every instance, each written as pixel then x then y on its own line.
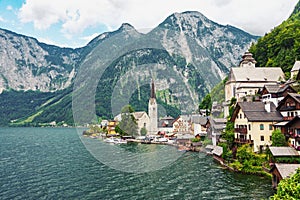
pixel 27 64
pixel 281 46
pixel 187 54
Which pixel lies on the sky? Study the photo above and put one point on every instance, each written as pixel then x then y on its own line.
pixel 73 23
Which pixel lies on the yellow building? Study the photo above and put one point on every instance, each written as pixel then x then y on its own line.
pixel 111 127
pixel 253 122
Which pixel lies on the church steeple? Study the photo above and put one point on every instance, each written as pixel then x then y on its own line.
pixel 152 111
pixel 153 96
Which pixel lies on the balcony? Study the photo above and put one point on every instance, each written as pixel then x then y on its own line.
pixel 241 130
pixel 288 118
pixel 243 141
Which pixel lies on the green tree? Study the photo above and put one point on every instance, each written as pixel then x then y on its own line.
pixel 278 139
pixel 143 131
pixel 288 188
pixel 206 103
pixel 128 124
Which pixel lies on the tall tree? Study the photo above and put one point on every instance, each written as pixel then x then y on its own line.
pixel 128 124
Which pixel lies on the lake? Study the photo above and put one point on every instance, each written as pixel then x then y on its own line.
pixel 53 163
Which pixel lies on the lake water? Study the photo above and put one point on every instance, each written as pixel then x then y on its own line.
pixel 53 163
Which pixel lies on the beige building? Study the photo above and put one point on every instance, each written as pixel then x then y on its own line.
pixel 247 79
pixel 253 122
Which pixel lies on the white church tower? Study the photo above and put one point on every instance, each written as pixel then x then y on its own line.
pixel 152 111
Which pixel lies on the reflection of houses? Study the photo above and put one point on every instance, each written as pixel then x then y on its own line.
pixel 289 107
pixel 253 122
pixel 280 171
pixel 165 124
pixel 291 130
pixel 182 125
pixel 247 79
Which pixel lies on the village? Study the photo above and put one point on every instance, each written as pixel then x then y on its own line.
pixel 258 101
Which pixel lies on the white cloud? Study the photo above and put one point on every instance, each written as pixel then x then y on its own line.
pixel 89 37
pixel 9 7
pixel 2 19
pixel 255 16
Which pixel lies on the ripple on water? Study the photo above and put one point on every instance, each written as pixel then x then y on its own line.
pixel 47 163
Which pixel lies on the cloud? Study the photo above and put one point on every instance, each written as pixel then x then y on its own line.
pixel 89 37
pixel 2 19
pixel 256 17
pixel 9 7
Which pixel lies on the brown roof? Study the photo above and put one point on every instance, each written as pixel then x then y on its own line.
pixel 255 111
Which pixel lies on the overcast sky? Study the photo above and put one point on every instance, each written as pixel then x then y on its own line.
pixel 73 23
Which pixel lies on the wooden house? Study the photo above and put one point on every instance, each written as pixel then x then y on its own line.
pixel 289 107
pixel 291 130
pixel 281 170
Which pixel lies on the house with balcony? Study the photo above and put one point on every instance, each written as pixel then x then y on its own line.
pixel 291 130
pixel 289 107
pixel 253 122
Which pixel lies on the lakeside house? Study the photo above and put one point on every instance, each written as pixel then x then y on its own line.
pixel 281 170
pixel 254 122
pixel 215 127
pixel 165 124
pixel 182 125
pixel 199 125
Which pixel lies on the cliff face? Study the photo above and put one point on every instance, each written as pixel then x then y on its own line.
pixel 26 64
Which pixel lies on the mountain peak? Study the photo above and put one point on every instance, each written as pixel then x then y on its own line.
pixel 126 27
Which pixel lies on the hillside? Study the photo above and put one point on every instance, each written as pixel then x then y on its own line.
pixel 187 55
pixel 280 47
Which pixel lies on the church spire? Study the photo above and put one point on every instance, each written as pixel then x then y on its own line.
pixel 153 96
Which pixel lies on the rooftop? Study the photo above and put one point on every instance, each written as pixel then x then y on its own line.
pixel 286 170
pixel 284 151
pixel 255 111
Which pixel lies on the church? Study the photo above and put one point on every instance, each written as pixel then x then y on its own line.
pixel 152 112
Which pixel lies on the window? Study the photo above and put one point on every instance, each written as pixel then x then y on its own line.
pixel 270 127
pixel 249 127
pixel 296 113
pixel 270 137
pixel 241 116
pixel 262 138
pixel 261 127
pixel 249 137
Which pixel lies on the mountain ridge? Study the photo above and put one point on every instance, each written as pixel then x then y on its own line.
pixel 198 51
